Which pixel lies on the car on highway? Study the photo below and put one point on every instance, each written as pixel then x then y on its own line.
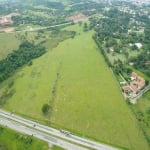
pixel 65 132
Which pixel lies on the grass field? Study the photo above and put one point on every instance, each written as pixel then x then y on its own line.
pixel 8 42
pixel 87 99
pixel 10 140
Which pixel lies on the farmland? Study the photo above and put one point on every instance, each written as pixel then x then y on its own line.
pixel 81 90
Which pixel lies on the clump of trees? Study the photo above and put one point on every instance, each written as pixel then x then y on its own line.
pixel 142 62
pixel 85 28
pixel 45 109
pixel 120 68
pixel 102 51
pixel 23 55
pixel 25 139
pixel 115 24
pixel 1 129
pixel 55 5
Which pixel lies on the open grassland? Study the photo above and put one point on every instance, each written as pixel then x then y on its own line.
pixel 88 99
pixel 82 91
pixel 8 42
pixel 10 140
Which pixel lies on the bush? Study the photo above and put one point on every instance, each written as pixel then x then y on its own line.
pixel 30 63
pixel 45 109
pixel 3 147
pixel 1 129
pixel 148 110
pixel 10 84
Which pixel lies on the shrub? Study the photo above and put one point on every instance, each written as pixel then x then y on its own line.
pixel 45 109
pixel 148 110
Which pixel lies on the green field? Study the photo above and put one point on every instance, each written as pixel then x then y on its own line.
pixel 10 140
pixel 87 99
pixel 8 43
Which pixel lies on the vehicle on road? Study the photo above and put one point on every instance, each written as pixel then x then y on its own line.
pixel 65 132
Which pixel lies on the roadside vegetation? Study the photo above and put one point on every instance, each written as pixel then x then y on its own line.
pixel 10 140
pixel 57 148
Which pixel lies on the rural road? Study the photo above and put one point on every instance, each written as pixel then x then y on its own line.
pixel 42 28
pixel 40 131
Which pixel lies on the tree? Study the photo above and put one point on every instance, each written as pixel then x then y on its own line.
pixel 134 47
pixel 80 23
pixel 147 33
pixel 148 110
pixel 45 109
pixel 85 28
pixel 126 55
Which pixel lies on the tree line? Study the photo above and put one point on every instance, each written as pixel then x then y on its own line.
pixel 23 55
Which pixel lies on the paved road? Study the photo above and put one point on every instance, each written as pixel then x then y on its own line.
pixel 43 136
pixel 42 28
pixel 55 132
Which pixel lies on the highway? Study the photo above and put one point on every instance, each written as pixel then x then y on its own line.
pixel 43 136
pixel 54 132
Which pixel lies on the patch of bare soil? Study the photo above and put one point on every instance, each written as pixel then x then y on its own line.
pixel 7 30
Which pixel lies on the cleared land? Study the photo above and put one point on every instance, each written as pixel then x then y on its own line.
pixel 86 100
